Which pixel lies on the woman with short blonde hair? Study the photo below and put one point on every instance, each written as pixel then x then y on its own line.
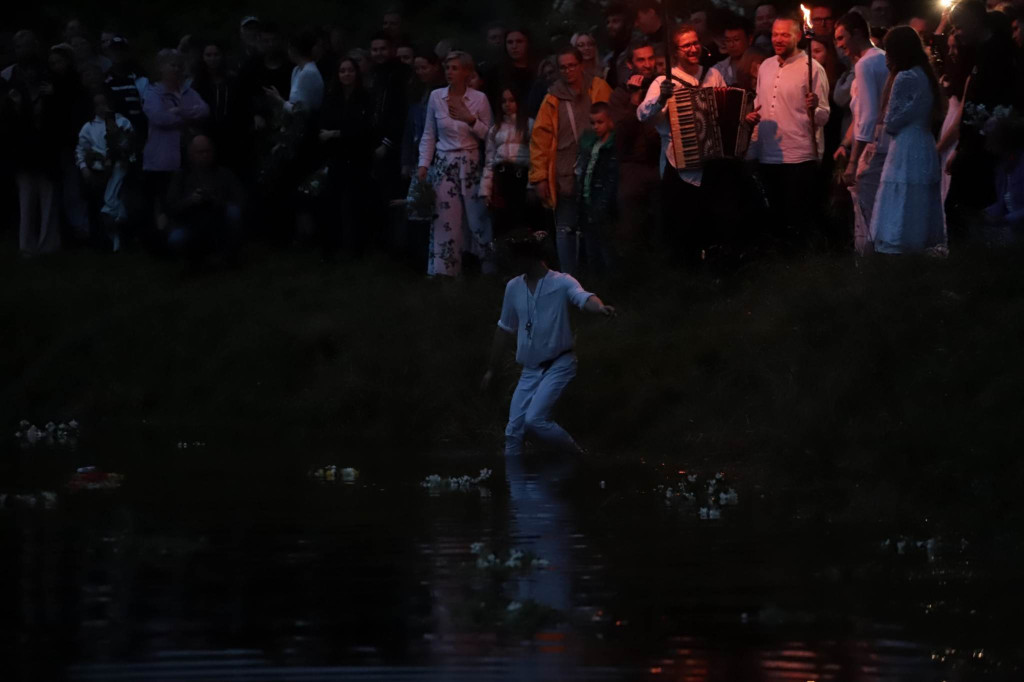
pixel 458 118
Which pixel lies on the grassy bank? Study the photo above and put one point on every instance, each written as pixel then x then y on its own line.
pixel 899 379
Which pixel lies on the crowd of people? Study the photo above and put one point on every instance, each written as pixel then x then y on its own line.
pixel 908 128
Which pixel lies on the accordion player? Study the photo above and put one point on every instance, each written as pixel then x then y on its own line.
pixel 708 123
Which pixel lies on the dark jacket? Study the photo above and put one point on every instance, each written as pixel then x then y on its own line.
pixel 127 100
pixel 636 142
pixel 348 156
pixel 601 208
pixel 390 87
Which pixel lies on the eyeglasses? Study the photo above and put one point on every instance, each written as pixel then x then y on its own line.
pixel 568 67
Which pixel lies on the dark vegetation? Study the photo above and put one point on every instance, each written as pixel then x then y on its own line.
pixel 893 386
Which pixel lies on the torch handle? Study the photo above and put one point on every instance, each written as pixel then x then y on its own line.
pixel 810 89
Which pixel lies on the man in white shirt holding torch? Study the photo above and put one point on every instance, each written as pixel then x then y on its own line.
pixel 789 136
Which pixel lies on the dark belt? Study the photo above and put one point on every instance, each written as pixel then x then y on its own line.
pixel 546 365
pixel 507 167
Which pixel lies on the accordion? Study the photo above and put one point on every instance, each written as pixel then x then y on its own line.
pixel 708 123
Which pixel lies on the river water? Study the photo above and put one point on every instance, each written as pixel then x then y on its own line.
pixel 197 570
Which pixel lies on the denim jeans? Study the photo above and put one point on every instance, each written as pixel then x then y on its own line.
pixel 566 235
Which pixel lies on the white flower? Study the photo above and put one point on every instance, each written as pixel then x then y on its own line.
pixel 73 424
pixel 476 548
pixel 692 478
pixel 33 435
pixel 17 434
pixel 513 563
pixel 348 474
pixel 715 514
pixel 729 497
pixel 50 426
pixel 24 424
pixel 703 513
pixel 514 606
pixel 669 494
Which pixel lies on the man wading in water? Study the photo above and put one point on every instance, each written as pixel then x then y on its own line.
pixel 536 310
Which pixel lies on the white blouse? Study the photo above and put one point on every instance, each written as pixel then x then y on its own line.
pixel 442 133
pixel 504 145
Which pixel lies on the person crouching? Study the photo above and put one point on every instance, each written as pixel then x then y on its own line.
pixel 204 204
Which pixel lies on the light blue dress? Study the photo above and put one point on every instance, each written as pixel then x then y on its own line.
pixel 908 215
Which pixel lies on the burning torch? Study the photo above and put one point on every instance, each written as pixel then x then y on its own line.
pixel 809 35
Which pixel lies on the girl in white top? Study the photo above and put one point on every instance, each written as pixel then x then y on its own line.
pixel 458 118
pixel 507 165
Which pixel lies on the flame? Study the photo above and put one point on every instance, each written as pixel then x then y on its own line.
pixel 807 17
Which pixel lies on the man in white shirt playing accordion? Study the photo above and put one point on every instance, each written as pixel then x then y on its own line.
pixel 684 212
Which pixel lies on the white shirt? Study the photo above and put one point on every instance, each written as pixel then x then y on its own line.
pixel 93 138
pixel 443 133
pixel 504 145
pixel 870 77
pixel 784 133
pixel 649 109
pixel 540 319
pixel 307 89
pixel 726 70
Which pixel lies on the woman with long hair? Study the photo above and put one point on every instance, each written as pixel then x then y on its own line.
pixel 507 165
pixel 586 43
pixel 908 215
pixel 346 148
pixel 458 119
pixel 220 89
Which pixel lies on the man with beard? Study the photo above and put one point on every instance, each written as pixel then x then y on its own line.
pixel 618 23
pixel 685 227
pixel 638 146
pixel 789 137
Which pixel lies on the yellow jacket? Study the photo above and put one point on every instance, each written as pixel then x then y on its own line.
pixel 544 138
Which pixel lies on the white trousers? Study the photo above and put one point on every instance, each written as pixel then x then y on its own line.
pixel 532 403
pixel 39 231
pixel 461 221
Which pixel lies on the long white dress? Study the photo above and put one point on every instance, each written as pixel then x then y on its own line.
pixel 908 215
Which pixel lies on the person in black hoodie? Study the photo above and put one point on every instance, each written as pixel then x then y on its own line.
pixel 515 71
pixel 346 147
pixel 389 90
pixel 221 90
pixel 66 107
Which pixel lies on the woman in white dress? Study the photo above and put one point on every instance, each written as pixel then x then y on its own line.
pixel 458 118
pixel 908 215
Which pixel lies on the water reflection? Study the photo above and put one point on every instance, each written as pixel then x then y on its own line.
pixel 180 576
